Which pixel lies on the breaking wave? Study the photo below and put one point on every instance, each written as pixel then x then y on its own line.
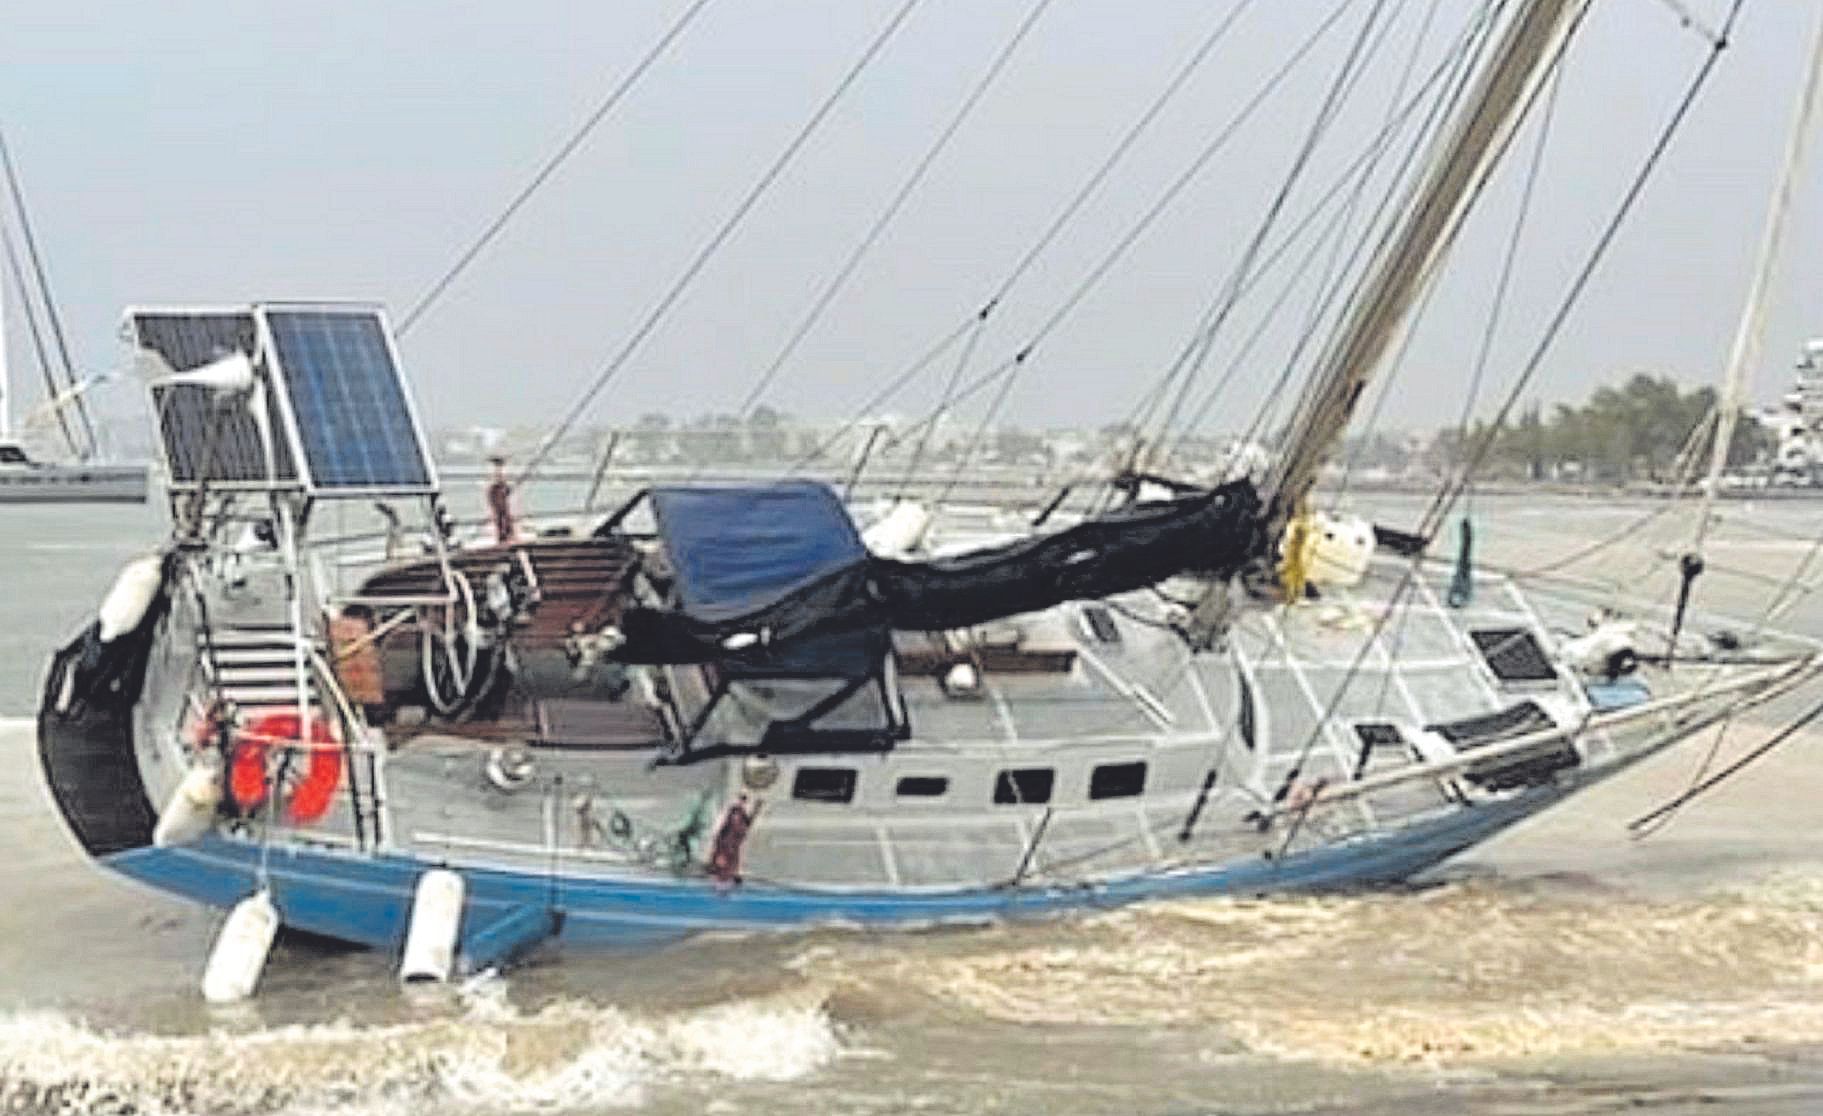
pixel 488 1058
pixel 1465 973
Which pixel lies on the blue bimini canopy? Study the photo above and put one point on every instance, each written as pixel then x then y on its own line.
pixel 739 548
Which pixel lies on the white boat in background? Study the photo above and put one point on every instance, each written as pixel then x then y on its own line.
pixel 25 478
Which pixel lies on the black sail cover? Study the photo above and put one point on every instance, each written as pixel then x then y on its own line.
pixel 1213 533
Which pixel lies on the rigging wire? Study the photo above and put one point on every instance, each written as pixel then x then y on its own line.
pixel 1093 183
pixel 1458 67
pixel 994 375
pixel 1326 114
pixel 1013 365
pixel 1448 494
pixel 1139 127
pixel 1698 82
pixel 1682 478
pixel 1453 72
pixel 1089 187
pixel 949 391
pixel 1376 145
pixel 1354 67
pixel 1462 65
pixel 973 445
pixel 1690 21
pixel 52 318
pixel 1446 497
pixel 1644 824
pixel 899 198
pixel 1503 283
pixel 885 394
pixel 701 260
pixel 550 167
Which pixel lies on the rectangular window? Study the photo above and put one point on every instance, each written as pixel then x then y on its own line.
pixel 1513 654
pixel 1379 734
pixel 1246 722
pixel 1374 735
pixel 1101 624
pixel 824 784
pixel 923 786
pixel 1117 780
pixel 1024 786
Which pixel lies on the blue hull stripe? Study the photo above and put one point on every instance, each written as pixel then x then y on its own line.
pixel 367 899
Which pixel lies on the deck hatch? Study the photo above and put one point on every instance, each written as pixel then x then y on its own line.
pixel 1513 654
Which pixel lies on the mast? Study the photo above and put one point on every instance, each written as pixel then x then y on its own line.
pixel 1528 49
pixel 1745 352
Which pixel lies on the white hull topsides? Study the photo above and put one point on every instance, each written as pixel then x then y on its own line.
pixel 1093 745
pixel 719 707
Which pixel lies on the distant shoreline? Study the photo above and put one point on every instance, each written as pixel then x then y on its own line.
pixel 997 478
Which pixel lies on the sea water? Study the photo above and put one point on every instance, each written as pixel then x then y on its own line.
pixel 1562 969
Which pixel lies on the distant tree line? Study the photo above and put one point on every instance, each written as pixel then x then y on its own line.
pixel 1634 432
pixel 1638 431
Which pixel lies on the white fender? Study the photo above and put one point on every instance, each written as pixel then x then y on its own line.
pixel 1341 551
pixel 436 918
pixel 1152 492
pixel 962 681
pixel 899 531
pixel 126 603
pixel 241 950
pixel 192 807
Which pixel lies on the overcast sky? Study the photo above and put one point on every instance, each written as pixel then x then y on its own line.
pixel 227 151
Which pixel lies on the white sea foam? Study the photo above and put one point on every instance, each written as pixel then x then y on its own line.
pixel 486 1057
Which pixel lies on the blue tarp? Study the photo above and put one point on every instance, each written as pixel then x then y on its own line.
pixel 738 548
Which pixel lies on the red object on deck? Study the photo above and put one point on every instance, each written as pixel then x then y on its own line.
pixel 321 757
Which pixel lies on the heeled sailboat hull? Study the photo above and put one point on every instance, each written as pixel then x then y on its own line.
pixel 716 709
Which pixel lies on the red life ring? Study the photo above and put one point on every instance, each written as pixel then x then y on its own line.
pixel 307 797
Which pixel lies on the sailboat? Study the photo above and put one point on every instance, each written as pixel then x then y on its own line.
pixel 744 708
pixel 24 478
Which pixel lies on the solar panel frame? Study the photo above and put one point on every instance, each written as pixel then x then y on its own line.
pixel 304 448
pixel 188 337
pixel 326 474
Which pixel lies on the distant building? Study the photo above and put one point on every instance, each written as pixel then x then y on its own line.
pixel 1797 423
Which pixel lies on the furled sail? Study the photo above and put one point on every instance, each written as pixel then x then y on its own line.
pixel 1209 532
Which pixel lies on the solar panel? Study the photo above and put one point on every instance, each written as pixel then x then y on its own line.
pixel 353 419
pixel 201 433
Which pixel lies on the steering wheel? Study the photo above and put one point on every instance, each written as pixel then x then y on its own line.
pixel 449 645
